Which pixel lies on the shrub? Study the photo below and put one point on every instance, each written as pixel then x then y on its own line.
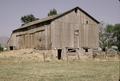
pixel 1 48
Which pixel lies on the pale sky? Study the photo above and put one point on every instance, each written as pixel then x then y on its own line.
pixel 12 10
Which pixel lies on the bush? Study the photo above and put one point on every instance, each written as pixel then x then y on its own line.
pixel 1 48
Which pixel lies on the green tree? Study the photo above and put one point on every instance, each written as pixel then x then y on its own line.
pixel 52 12
pixel 107 37
pixel 110 37
pixel 109 30
pixel 1 48
pixel 103 41
pixel 28 18
pixel 116 34
pixel 102 36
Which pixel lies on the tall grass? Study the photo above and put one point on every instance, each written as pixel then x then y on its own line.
pixel 30 67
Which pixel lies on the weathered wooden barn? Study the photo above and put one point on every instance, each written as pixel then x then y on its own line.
pixel 74 28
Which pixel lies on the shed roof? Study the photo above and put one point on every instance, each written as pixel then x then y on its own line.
pixel 51 18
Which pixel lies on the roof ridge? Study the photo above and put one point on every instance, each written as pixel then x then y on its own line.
pixel 50 18
pixel 39 20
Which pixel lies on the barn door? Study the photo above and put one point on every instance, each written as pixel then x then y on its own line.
pixel 59 53
pixel 76 38
pixel 41 39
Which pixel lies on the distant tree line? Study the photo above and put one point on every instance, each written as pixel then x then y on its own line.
pixel 30 17
pixel 52 12
pixel 110 36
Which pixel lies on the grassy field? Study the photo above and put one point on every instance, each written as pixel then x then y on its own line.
pixel 13 68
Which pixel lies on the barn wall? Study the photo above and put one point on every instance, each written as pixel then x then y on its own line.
pixel 12 42
pixel 74 29
pixel 89 32
pixel 38 38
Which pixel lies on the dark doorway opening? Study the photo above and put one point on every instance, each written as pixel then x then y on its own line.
pixel 86 50
pixel 11 47
pixel 59 53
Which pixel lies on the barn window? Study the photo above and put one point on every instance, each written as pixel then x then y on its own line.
pixel 40 39
pixel 76 32
pixel 86 49
pixel 71 50
pixel 86 22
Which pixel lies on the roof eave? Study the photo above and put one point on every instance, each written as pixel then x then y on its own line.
pixel 58 16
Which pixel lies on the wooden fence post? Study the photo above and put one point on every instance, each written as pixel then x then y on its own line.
pixel 44 57
pixel 67 56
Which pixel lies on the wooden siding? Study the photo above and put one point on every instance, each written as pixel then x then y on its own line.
pixel 38 38
pixel 74 29
pixel 65 27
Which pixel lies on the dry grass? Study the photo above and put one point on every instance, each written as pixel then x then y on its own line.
pixel 22 55
pixel 24 65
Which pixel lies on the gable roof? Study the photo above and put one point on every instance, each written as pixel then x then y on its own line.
pixel 81 11
pixel 51 18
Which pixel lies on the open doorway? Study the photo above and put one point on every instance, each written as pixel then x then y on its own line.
pixel 11 47
pixel 59 54
pixel 86 50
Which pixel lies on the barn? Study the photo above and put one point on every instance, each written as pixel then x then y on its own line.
pixel 74 28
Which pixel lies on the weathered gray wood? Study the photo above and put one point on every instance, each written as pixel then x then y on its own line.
pixel 75 29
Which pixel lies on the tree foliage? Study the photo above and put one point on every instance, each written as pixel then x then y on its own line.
pixel 109 28
pixel 28 18
pixel 110 36
pixel 52 12
pixel 103 38
pixel 1 48
pixel 116 34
